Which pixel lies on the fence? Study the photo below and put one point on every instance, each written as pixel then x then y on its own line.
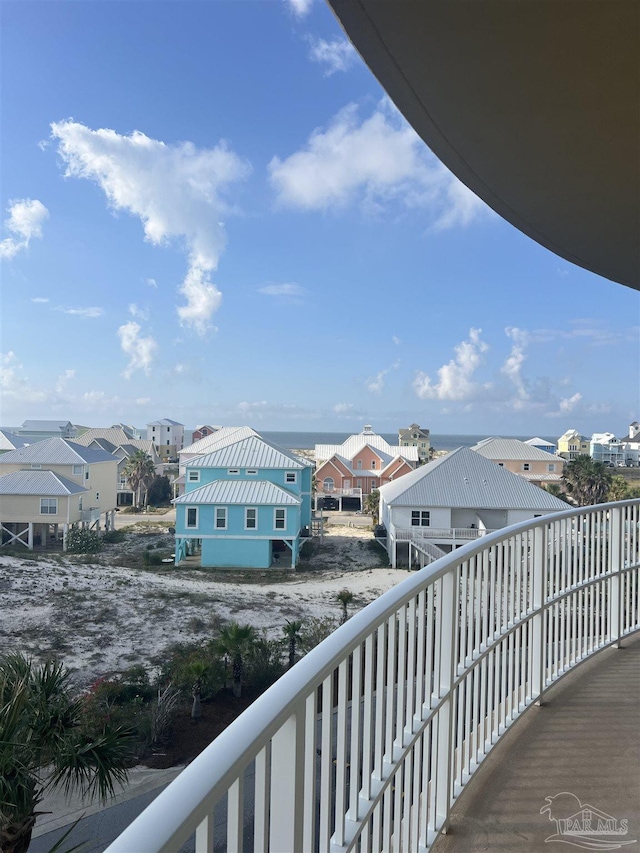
pixel 367 742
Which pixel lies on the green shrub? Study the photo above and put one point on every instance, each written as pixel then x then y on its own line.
pixel 180 662
pixel 113 536
pixel 150 559
pixel 263 665
pixel 314 630
pixel 81 540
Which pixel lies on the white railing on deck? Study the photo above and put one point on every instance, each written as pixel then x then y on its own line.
pixel 466 534
pixel 367 742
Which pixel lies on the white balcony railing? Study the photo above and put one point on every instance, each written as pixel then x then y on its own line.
pixel 88 516
pixel 465 534
pixel 367 742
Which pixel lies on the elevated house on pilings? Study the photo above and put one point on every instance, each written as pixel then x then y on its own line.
pixel 53 485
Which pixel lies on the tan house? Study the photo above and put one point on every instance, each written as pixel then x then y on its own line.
pixel 571 444
pixel 83 480
pixel 519 457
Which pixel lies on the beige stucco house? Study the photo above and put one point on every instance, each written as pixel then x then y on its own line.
pixel 535 465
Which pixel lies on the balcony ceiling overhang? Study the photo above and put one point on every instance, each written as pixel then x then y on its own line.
pixel 533 104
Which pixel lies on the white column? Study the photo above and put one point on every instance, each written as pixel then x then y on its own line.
pixel 30 536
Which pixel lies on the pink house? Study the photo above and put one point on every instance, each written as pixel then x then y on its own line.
pixel 362 463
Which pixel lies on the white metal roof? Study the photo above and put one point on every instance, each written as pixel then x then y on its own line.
pixel 9 440
pixel 540 442
pixel 513 448
pixel 240 492
pixel 465 479
pixel 252 452
pixel 220 438
pixel 55 451
pixel 115 435
pixel 44 483
pixel 355 443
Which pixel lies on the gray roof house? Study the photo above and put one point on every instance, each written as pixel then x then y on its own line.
pixel 88 473
pixel 453 500
pixel 11 441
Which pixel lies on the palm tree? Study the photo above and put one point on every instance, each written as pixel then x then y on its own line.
pixel 587 481
pixel 140 472
pixel 41 725
pixel 235 642
pixel 345 597
pixel 372 505
pixel 292 634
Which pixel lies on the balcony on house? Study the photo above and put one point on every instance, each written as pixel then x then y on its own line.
pixel 369 741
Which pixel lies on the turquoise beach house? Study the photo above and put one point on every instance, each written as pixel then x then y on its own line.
pixel 245 505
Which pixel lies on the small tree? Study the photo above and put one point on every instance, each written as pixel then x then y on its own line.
pixel 372 505
pixel 345 597
pixel 81 540
pixel 292 635
pixel 234 642
pixel 140 472
pixel 587 481
pixel 41 724
pixel 159 491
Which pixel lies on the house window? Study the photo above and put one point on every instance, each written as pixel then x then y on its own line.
pixel 501 464
pixel 86 475
pixel 328 484
pixel 526 466
pixel 97 496
pixel 359 484
pixel 36 466
pixel 373 464
pixel 420 518
pixel 193 476
pixel 374 484
pixel 251 472
pixel 77 469
pixel 233 471
pixel 250 518
pixel 221 518
pixel 168 441
pixel 280 519
pixel 291 477
pixel 80 503
pixel 192 516
pixel 48 506
pixel 359 464
pixel 551 466
pixel 153 429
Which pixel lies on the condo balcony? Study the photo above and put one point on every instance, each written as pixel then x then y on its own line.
pixel 373 740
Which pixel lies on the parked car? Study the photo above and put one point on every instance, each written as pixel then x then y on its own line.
pixel 329 503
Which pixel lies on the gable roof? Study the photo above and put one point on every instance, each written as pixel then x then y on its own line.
pixel 55 451
pixel 115 435
pixel 239 492
pixel 252 452
pixel 10 441
pixel 220 438
pixel 46 426
pixel 355 443
pixel 465 479
pixel 512 448
pixel 539 442
pixel 44 483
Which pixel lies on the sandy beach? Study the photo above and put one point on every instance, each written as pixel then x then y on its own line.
pixel 100 617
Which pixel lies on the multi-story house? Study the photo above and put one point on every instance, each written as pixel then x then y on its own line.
pixel 606 448
pixel 416 436
pixel 203 431
pixel 168 436
pixel 452 500
pixel 571 444
pixel 244 506
pixel 39 430
pixel 520 457
pixel 52 485
pixel 362 463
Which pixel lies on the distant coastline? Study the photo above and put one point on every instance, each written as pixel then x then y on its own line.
pixel 439 441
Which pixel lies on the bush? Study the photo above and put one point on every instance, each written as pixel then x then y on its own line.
pixel 159 492
pixel 150 559
pixel 177 667
pixel 314 630
pixel 81 540
pixel 263 665
pixel 113 536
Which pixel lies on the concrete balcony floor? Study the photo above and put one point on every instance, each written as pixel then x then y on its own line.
pixel 584 739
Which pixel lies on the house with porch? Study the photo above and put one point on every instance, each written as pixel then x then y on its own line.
pixel 168 436
pixel 571 445
pixel 362 463
pixel 244 505
pixel 416 436
pixel 453 500
pixel 77 486
pixel 535 465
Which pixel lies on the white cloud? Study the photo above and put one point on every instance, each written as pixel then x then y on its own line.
pixel 300 8
pixel 512 367
pixel 568 404
pixel 63 380
pixel 336 55
pixel 140 350
pixel 87 313
pixel 140 313
pixel 289 290
pixel 151 282
pixel 396 340
pixel 455 378
pixel 24 223
pixel 372 162
pixel 40 299
pixel 343 408
pixel 375 384
pixel 175 190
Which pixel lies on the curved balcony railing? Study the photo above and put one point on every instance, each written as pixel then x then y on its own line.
pixel 368 741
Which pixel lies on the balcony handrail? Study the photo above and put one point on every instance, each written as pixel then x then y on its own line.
pixel 404 534
pixel 440 666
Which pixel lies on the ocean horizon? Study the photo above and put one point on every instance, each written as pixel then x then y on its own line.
pixel 439 441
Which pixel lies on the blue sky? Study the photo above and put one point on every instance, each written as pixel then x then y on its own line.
pixel 213 213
